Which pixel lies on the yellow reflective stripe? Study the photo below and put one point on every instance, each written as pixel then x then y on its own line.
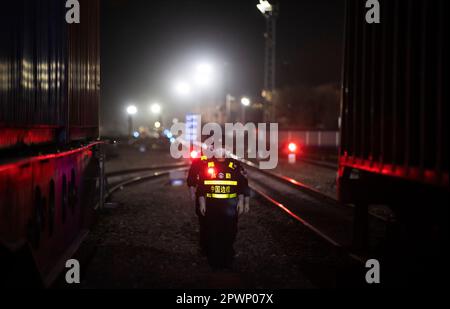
pixel 230 165
pixel 210 164
pixel 203 158
pixel 214 195
pixel 221 182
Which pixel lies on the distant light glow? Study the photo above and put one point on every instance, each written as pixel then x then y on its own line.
pixel 136 134
pixel 194 154
pixel 203 74
pixel 245 101
pixel 172 140
pixel 177 182
pixel 204 68
pixel 155 108
pixel 182 88
pixel 157 124
pixel 202 80
pixel 131 110
pixel 292 147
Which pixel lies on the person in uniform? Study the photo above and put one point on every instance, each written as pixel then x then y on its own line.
pixel 223 195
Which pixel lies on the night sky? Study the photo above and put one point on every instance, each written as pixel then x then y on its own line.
pixel 148 44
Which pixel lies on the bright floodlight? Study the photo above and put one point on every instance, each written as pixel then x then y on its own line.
pixel 202 80
pixel 245 101
pixel 264 6
pixel 204 68
pixel 155 108
pixel 203 74
pixel 131 110
pixel 183 88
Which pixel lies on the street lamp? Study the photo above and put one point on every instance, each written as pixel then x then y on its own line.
pixel 264 6
pixel 155 108
pixel 245 102
pixel 131 110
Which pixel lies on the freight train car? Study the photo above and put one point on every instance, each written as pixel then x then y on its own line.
pixel 394 116
pixel 49 102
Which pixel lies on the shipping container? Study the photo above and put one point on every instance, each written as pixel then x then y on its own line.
pixel 49 73
pixel 394 98
pixel 49 94
pixel 394 114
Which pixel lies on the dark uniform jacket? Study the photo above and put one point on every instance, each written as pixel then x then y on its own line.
pixel 200 165
pixel 221 179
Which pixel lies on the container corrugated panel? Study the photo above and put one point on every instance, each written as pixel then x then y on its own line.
pixel 84 72
pixel 33 85
pixel 37 56
pixel 395 98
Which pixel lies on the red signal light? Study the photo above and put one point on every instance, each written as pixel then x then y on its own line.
pixel 292 147
pixel 211 171
pixel 194 154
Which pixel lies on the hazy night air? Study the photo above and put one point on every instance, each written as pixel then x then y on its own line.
pixel 224 151
pixel 145 43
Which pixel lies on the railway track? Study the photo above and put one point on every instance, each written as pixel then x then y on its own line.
pixel 322 214
pixel 119 179
pixel 88 254
pixel 313 205
pixel 321 163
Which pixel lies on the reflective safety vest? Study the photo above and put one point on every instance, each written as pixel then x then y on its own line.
pixel 220 180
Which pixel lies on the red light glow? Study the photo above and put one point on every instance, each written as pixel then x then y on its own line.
pixel 194 154
pixel 211 171
pixel 292 147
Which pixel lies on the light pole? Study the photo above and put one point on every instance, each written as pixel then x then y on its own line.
pixel 131 110
pixel 270 12
pixel 155 109
pixel 228 99
pixel 245 103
